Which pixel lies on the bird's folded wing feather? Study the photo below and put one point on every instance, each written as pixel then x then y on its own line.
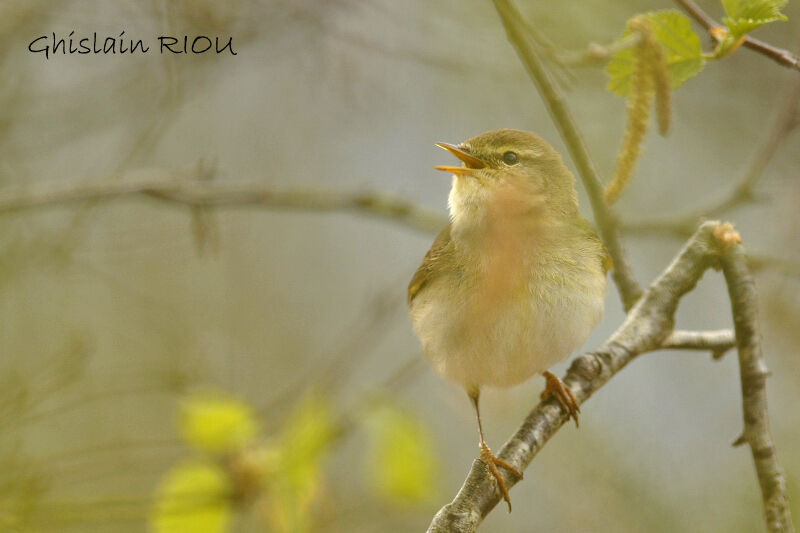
pixel 429 268
pixel 590 235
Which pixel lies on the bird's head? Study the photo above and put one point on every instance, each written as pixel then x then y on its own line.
pixel 509 172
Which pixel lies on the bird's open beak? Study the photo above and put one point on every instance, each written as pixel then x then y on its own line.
pixel 471 162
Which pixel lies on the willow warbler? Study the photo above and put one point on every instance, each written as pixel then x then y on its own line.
pixel 517 281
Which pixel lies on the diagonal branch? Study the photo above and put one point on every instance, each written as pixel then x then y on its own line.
pixel 779 55
pixel 647 326
pixel 520 35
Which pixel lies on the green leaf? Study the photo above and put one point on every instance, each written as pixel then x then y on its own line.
pixel 194 497
pixel 294 466
pixel 304 439
pixel 747 15
pixel 217 424
pixel 620 72
pixel 681 47
pixel 403 468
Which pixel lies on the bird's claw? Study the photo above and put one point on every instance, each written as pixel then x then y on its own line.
pixel 492 462
pixel 555 387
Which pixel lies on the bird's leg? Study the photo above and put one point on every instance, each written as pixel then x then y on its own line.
pixel 492 462
pixel 555 387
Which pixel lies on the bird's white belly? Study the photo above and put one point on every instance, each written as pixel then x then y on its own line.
pixel 504 343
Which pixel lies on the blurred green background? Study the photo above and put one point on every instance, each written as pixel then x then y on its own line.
pixel 112 312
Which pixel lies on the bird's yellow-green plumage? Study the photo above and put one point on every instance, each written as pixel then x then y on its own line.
pixel 516 282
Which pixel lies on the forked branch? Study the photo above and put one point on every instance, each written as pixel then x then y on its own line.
pixel 779 55
pixel 646 328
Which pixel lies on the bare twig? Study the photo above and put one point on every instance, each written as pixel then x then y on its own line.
pixel 718 342
pixel 754 372
pixel 647 327
pixel 597 54
pixel 519 34
pixel 682 225
pixel 184 188
pixel 780 56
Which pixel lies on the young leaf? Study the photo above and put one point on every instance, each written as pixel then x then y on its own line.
pixel 746 15
pixel 620 72
pixel 304 440
pixel 216 424
pixel 193 498
pixel 295 479
pixel 681 49
pixel 403 465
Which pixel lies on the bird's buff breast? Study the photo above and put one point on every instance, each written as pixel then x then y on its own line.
pixel 502 321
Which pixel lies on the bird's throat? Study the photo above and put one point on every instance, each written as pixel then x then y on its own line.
pixel 494 218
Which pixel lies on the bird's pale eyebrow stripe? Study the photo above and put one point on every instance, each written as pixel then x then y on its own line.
pixel 525 152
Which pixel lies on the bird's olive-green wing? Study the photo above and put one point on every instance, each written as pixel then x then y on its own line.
pixel 591 235
pixel 428 270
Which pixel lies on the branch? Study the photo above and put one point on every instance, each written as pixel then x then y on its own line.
pixel 682 225
pixel 779 55
pixel 184 187
pixel 648 326
pixel 718 342
pixel 521 37
pixel 754 372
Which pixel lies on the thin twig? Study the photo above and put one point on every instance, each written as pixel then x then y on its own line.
pixel 183 188
pixel 647 327
pixel 597 54
pixel 754 373
pixel 519 35
pixel 718 341
pixel 682 225
pixel 779 55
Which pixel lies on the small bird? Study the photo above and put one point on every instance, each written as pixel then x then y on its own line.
pixel 516 282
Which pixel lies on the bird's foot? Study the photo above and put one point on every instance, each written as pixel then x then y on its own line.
pixel 555 387
pixel 492 462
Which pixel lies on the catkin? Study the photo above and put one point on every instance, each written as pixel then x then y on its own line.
pixel 658 68
pixel 639 102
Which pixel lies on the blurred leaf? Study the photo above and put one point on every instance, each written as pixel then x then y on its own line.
pixel 305 437
pixel 747 15
pixel 403 466
pixel 296 479
pixel 194 497
pixel 217 424
pixel 681 48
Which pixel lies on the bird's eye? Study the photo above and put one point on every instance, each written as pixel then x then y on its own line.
pixel 510 158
